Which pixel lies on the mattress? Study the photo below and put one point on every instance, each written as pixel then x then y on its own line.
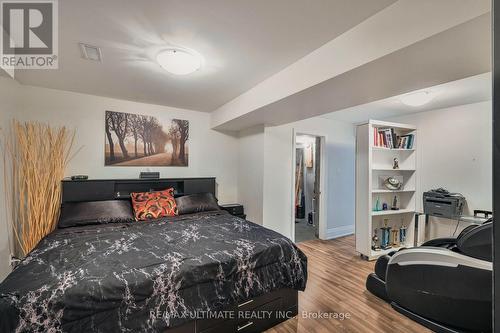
pixel 146 276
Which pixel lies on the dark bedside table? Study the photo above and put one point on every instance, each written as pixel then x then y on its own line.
pixel 235 209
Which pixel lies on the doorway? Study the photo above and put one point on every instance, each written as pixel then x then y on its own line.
pixel 307 187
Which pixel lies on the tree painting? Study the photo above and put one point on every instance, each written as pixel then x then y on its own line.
pixel 139 140
pixel 183 129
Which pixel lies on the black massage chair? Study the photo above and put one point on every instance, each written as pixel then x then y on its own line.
pixel 445 284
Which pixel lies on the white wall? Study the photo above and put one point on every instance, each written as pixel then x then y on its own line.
pixel 251 172
pixel 455 152
pixel 9 90
pixel 212 153
pixel 340 177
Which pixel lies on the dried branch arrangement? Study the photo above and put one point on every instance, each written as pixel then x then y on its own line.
pixel 37 158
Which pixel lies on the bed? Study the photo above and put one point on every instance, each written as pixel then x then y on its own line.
pixel 202 272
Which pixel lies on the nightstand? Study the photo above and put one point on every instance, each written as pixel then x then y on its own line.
pixel 235 209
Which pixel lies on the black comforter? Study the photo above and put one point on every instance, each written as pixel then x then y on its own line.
pixel 145 277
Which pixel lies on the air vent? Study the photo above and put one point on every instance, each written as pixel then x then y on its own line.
pixel 91 52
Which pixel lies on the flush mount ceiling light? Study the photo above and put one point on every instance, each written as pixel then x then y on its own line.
pixel 417 98
pixel 179 61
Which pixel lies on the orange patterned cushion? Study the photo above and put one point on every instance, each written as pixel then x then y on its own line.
pixel 153 205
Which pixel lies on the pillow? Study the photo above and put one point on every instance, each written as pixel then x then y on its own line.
pixel 195 203
pixel 95 212
pixel 153 205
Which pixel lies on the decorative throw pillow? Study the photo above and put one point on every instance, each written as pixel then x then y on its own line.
pixel 77 214
pixel 153 205
pixel 195 203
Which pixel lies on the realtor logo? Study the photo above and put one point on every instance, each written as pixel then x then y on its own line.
pixel 29 36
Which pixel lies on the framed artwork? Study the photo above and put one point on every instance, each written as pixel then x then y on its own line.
pixel 139 140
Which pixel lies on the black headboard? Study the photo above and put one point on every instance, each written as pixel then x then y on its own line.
pixel 110 189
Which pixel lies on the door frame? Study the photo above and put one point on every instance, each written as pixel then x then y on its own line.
pixel 323 176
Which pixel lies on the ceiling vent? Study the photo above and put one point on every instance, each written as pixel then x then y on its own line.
pixel 91 52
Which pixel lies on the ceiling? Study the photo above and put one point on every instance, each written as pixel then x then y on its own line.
pixel 457 53
pixel 243 42
pixel 465 91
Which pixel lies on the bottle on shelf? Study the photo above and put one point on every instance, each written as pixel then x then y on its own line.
pixel 377 205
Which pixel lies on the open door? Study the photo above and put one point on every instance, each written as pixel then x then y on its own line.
pixel 307 202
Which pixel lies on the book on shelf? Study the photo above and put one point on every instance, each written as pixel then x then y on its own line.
pixel 388 138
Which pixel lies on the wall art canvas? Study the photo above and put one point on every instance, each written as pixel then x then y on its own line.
pixel 139 140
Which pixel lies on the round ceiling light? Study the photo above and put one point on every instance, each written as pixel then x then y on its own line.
pixel 417 98
pixel 179 61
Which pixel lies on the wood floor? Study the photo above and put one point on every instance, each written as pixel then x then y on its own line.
pixel 336 284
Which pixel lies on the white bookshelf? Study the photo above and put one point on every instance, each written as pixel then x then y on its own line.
pixel 373 166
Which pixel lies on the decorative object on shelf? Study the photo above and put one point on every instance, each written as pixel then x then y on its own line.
pixel 386 234
pixel 402 233
pixel 375 241
pixel 385 206
pixel 377 205
pixel 149 175
pixel 395 163
pixel 36 156
pixel 394 237
pixel 395 203
pixel 140 140
pixel 392 183
pixel 384 243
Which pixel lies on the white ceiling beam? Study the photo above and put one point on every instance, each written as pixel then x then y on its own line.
pixel 398 26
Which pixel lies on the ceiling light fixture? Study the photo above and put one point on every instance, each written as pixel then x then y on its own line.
pixel 417 98
pixel 179 61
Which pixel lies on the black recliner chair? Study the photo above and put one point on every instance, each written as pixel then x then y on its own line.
pixel 445 284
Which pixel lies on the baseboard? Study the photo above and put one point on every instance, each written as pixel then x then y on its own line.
pixel 339 231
